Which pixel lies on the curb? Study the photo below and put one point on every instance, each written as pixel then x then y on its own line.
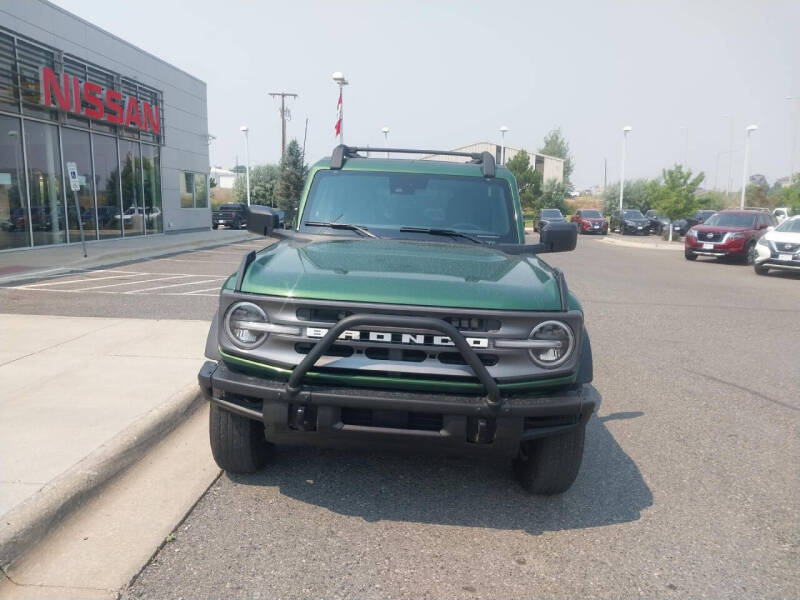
pixel 26 524
pixel 656 246
pixel 121 258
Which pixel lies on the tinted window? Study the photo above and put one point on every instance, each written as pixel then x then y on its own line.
pixel 230 206
pixel 634 214
pixel 732 220
pixel 385 202
pixel 790 226
pixel 551 213
pixel 591 214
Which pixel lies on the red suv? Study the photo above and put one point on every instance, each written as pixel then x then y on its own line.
pixel 590 220
pixel 728 233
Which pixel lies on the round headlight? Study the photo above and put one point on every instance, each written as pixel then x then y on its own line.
pixel 244 324
pixel 555 354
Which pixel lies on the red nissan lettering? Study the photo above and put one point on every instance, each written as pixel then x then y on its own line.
pixel 50 84
pixel 114 107
pixel 91 93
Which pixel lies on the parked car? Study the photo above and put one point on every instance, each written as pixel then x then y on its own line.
pixel 782 213
pixel 230 214
pixel 700 216
pixel 658 223
pixel 590 220
pixel 546 216
pixel 779 249
pixel 630 221
pixel 728 233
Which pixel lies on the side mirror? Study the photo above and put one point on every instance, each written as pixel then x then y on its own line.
pixel 558 237
pixel 262 220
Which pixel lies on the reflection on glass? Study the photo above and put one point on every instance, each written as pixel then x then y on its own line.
pixel 200 192
pixel 132 196
pixel 44 177
pixel 106 181
pixel 75 145
pixel 13 208
pixel 152 189
pixel 186 189
pixel 9 96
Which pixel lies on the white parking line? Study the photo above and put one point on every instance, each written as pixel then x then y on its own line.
pixel 98 287
pixel 161 287
pixel 63 282
pixel 201 292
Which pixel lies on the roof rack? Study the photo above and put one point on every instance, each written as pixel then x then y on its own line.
pixel 342 153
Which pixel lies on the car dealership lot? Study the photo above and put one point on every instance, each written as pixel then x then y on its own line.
pixel 688 487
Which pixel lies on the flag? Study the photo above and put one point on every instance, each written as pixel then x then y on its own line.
pixel 338 127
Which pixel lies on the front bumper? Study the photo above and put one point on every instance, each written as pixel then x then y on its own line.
pixel 734 247
pixel 767 257
pixel 325 413
pixel 637 229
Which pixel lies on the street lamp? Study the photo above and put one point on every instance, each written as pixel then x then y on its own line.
pixel 748 130
pixel 385 132
pixel 503 130
pixel 730 159
pixel 243 129
pixel 794 135
pixel 341 81
pixel 625 131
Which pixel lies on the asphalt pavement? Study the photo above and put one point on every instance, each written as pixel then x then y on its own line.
pixel 689 485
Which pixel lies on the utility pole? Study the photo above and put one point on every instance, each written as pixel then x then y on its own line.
pixel 285 115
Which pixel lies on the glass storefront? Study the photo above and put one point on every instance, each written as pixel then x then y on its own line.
pixel 119 168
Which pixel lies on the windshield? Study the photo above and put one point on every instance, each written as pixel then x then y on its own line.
pixel 731 220
pixel 790 226
pixel 229 207
pixel 634 214
pixel 591 214
pixel 551 213
pixel 384 202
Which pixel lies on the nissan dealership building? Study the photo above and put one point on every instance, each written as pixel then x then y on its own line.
pixel 135 127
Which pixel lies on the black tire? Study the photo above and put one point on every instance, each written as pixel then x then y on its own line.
pixel 237 443
pixel 760 270
pixel 689 255
pixel 549 466
pixel 749 257
pixel 237 224
pixel 622 230
pixel 215 226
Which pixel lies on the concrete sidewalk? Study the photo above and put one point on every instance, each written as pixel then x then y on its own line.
pixel 72 384
pixel 47 261
pixel 648 242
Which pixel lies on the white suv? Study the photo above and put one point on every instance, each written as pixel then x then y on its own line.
pixel 780 248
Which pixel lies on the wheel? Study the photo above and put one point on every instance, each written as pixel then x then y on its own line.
pixel 215 226
pixel 237 443
pixel 237 224
pixel 689 255
pixel 760 269
pixel 622 230
pixel 550 465
pixel 750 254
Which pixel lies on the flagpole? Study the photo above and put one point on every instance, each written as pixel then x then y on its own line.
pixel 341 81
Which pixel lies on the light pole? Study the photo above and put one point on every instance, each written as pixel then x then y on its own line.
pixel 385 132
pixel 503 130
pixel 341 81
pixel 794 135
pixel 748 130
pixel 625 131
pixel 243 129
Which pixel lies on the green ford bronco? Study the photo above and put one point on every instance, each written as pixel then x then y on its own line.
pixel 403 306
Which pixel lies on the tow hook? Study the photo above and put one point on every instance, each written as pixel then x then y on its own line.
pixel 480 430
pixel 302 417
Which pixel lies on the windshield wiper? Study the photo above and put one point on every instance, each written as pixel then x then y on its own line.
pixel 448 232
pixel 348 226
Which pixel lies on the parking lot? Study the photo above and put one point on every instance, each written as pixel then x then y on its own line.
pixel 184 285
pixel 688 486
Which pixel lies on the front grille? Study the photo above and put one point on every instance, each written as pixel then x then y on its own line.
pixel 703 236
pixel 455 358
pixel 784 247
pixel 335 350
pixel 392 419
pixel 396 354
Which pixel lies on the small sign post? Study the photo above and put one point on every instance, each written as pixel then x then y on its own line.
pixel 75 184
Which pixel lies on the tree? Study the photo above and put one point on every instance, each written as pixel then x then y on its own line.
pixel 756 194
pixel 263 180
pixel 556 145
pixel 639 194
pixel 553 195
pixel 787 195
pixel 291 179
pixel 677 195
pixel 529 180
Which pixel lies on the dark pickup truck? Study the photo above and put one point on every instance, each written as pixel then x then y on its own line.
pixel 231 214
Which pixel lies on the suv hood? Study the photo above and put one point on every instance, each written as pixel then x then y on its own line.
pixel 404 272
pixel 720 229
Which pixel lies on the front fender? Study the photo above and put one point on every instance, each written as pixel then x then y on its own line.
pixel 212 340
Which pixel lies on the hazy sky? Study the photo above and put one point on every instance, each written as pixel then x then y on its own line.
pixel 445 74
